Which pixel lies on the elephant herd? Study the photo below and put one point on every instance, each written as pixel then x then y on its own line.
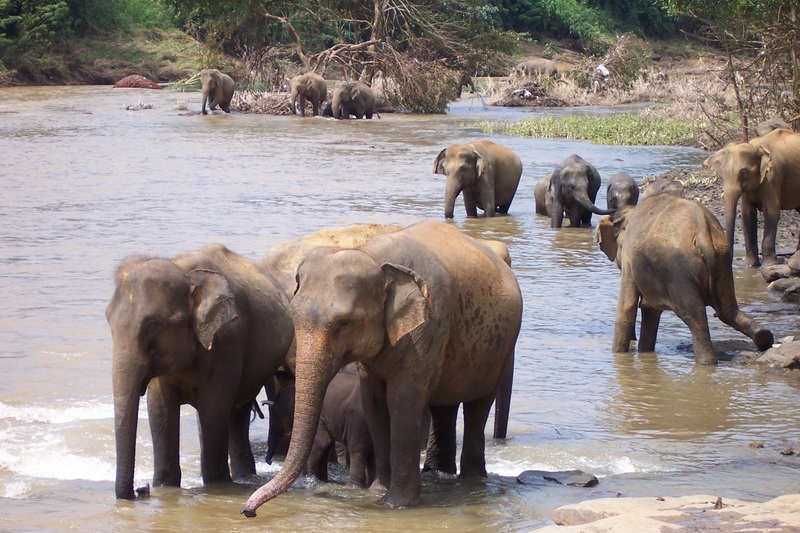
pixel 384 332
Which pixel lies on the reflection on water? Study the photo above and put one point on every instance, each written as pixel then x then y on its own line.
pixel 87 183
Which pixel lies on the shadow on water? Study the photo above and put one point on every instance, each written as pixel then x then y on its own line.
pixel 88 183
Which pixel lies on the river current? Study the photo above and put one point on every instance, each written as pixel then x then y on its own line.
pixel 87 183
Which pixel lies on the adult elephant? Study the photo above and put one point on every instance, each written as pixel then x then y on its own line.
pixel 217 90
pixel 352 98
pixel 208 329
pixel 309 86
pixel 432 315
pixel 765 173
pixel 487 173
pixel 673 256
pixel 570 189
pixel 341 420
pixel 622 191
pixel 539 67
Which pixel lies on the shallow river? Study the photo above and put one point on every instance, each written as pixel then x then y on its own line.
pixel 87 183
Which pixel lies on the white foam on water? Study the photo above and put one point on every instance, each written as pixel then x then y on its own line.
pixel 56 413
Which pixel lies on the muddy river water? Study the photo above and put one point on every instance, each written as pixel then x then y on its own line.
pixel 86 183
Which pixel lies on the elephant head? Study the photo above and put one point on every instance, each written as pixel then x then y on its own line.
pixel 743 168
pixel 346 308
pixel 574 185
pixel 465 168
pixel 160 317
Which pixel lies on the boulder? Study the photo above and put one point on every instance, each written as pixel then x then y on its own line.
pixel 787 289
pixel 575 478
pixel 786 355
pixel 773 272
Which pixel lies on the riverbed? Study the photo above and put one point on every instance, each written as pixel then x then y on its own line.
pixel 87 183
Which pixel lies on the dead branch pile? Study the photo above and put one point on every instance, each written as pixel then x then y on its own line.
pixel 136 82
pixel 265 103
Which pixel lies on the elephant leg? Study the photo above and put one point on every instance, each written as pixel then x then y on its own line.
pixel 557 214
pixel 473 458
pixel 163 411
pixel 214 426
pixel 691 309
pixel 503 209
pixel 441 451
pixel 314 107
pixel 407 402
pixel 317 463
pixel 750 229
pixel 487 199
pixel 302 99
pixel 577 215
pixel 650 321
pixel 241 453
pixel 470 204
pixel 627 304
pixel 376 412
pixel 771 218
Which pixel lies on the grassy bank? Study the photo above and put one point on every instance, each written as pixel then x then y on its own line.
pixel 613 128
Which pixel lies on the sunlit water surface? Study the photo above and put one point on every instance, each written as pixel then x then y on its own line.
pixel 87 183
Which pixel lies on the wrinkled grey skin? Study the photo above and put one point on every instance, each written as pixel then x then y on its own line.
pixel 309 86
pixel 486 173
pixel 570 189
pixel 537 67
pixel 217 90
pixel 664 185
pixel 766 126
pixel 341 421
pixel 206 329
pixel 405 304
pixel 673 255
pixel 622 191
pixel 352 98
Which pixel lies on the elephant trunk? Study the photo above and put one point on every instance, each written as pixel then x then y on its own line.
pixel 451 192
pixel 731 198
pixel 128 385
pixel 587 204
pixel 313 376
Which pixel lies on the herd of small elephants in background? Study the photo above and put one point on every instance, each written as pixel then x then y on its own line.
pixel 373 336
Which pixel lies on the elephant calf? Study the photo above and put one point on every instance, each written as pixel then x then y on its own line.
pixel 217 90
pixel 622 191
pixel 673 256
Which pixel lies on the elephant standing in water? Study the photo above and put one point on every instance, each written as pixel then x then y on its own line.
pixel 217 90
pixel 341 420
pixel 309 86
pixel 622 191
pixel 487 173
pixel 765 173
pixel 673 256
pixel 570 189
pixel 352 98
pixel 208 329
pixel 433 316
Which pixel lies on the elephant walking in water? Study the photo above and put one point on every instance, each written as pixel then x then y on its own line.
pixel 309 86
pixel 673 256
pixel 208 329
pixel 433 316
pixel 486 173
pixel 217 90
pixel 352 98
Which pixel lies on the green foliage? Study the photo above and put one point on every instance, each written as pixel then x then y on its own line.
pixel 611 129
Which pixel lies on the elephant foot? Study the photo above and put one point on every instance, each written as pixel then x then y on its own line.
pixel 752 261
pixel 377 486
pixel 468 471
pixel 394 502
pixel 763 339
pixel 705 360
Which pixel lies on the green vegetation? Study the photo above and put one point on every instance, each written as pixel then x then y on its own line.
pixel 617 128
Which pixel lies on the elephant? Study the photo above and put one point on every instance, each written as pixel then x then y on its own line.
pixel 465 80
pixel 766 126
pixel 205 328
pixel 433 316
pixel 538 67
pixel 487 173
pixel 352 98
pixel 217 90
pixel 326 109
pixel 765 173
pixel 309 86
pixel 673 255
pixel 622 191
pixel 570 189
pixel 341 421
pixel 664 185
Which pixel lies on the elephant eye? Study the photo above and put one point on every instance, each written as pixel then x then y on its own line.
pixel 339 325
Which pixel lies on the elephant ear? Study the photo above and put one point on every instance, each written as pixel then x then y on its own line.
pixel 482 165
pixel 438 163
pixel 766 163
pixel 610 232
pixel 213 304
pixel 407 303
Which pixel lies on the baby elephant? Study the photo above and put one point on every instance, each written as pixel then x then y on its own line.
pixel 342 420
pixel 673 255
pixel 622 191
pixel 353 98
pixel 217 90
pixel 487 173
pixel 309 86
